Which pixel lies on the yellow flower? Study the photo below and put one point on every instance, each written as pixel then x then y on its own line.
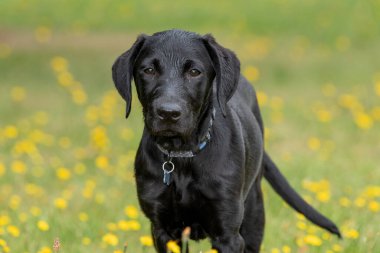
pixel 314 143
pixel 18 167
pixel 173 247
pixel 13 231
pixel 86 241
pixel 65 79
pixel 251 73
pixel 372 191
pixel 42 34
pixel 146 241
pixel 131 212
pixel 345 202
pixel 102 162
pixel 83 217
pixel 377 88
pixel 374 206
pixel 45 250
pixel 79 96
pixel 323 196
pixel 262 98
pixel 312 240
pixel 2 169
pixel 35 211
pixel 18 93
pixel 275 250
pixel 43 225
pixel 63 174
pixel 10 132
pixel 4 220
pixel 337 248
pixel 363 120
pixel 212 251
pixel 14 202
pixel 110 239
pixel 59 64
pixel 60 203
pixel 351 233
pixel 324 115
pixel 286 249
pixel 360 202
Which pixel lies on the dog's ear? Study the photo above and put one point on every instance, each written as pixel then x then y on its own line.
pixel 227 68
pixel 122 71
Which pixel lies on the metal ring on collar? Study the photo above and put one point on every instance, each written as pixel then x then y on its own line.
pixel 169 163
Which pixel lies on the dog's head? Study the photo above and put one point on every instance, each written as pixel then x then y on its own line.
pixel 174 73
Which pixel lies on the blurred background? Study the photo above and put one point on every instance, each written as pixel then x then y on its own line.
pixel 66 150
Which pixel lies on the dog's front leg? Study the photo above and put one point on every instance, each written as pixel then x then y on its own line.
pixel 161 238
pixel 228 243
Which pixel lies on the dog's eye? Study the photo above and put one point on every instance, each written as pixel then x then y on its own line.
pixel 149 71
pixel 194 72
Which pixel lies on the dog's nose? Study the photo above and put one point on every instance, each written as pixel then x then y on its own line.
pixel 170 112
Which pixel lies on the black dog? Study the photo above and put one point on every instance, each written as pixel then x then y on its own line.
pixel 201 156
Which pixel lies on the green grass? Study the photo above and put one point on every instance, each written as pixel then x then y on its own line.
pixel 300 48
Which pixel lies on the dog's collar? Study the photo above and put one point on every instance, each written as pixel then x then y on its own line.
pixel 201 145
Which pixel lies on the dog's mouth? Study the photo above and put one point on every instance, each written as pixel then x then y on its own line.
pixel 168 133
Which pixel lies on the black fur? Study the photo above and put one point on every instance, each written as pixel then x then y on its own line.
pixel 218 192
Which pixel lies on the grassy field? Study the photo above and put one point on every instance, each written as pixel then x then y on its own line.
pixel 66 150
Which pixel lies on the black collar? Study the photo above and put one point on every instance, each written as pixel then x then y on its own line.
pixel 201 145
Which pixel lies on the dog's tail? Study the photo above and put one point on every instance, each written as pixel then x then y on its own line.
pixel 287 193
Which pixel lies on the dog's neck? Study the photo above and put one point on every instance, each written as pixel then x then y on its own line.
pixel 194 142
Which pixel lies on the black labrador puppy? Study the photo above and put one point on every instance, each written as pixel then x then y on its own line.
pixel 201 156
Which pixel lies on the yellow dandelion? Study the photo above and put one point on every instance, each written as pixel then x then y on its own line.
pixel 42 34
pixel 324 115
pixel 4 220
pixel 2 169
pixel 86 241
pixel 35 211
pixel 360 202
pixel 13 231
pixel 337 248
pixel 60 203
pixel 79 96
pixel 45 250
pixel 10 132
pixel 64 142
pixel 251 73
pixel 18 93
pixel 323 196
pixel 372 191
pixel 212 251
pixel 110 239
pixel 377 88
pixel 351 233
pixel 14 202
pixel 102 162
pixel 146 241
pixel 173 247
pixel 313 143
pixel 286 249
pixel 275 250
pixel 374 206
pixel 65 79
pixel 345 202
pixel 131 212
pixel 83 217
pixel 43 225
pixel 18 167
pixel 262 98
pixel 312 240
pixel 363 120
pixel 329 89
pixel 301 225
pixel 63 174
pixel 375 113
pixel 59 64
